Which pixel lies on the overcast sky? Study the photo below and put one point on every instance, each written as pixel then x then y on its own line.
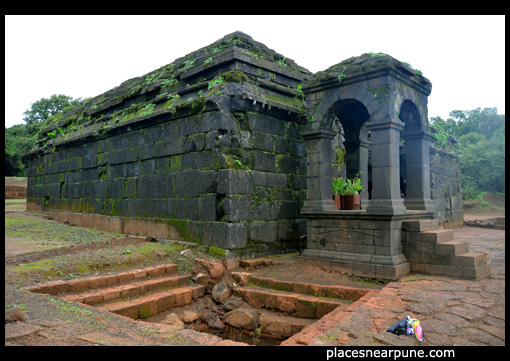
pixel 84 56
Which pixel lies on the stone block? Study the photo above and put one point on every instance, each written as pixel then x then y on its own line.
pixel 148 308
pixel 306 307
pixel 207 181
pixel 207 208
pixel 286 164
pixel 225 235
pixel 263 231
pixel 420 225
pixel 262 141
pixel 87 220
pixel 452 247
pixel 237 208
pixel 275 325
pixel 161 230
pixel 254 298
pixel 191 209
pixel 436 236
pixel 276 180
pixel 234 181
pixel 262 212
pixel 264 161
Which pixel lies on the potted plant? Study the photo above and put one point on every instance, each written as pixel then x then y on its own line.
pixel 339 187
pixel 353 188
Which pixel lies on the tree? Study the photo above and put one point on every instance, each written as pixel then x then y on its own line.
pixel 481 147
pixel 21 138
pixel 13 164
pixel 43 108
pixel 485 121
pixel 482 162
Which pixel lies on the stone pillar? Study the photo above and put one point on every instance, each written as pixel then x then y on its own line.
pixel 386 168
pixel 418 171
pixel 318 164
pixel 359 152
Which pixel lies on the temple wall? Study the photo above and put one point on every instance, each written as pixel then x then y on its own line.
pixel 235 182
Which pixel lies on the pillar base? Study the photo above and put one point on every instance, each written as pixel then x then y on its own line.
pixel 318 206
pixel 419 204
pixel 386 206
pixel 382 267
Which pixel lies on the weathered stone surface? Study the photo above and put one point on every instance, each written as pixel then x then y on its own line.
pixel 14 314
pixel 19 329
pixel 173 320
pixel 220 292
pixel 241 277
pixel 243 318
pixel 232 146
pixel 175 155
pixel 214 268
pixel 188 316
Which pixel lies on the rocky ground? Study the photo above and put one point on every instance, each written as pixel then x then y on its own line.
pixel 38 249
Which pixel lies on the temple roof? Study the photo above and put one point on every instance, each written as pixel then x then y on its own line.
pixel 367 64
pixel 191 82
pixel 165 87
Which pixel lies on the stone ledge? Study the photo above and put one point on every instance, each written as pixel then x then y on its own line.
pixel 79 285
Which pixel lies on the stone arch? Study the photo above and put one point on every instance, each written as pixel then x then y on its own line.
pixel 352 116
pixel 408 102
pixel 411 117
pixel 415 162
pixel 333 101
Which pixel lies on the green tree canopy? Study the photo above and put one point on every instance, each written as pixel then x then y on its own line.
pixel 21 138
pixel 43 108
pixel 480 144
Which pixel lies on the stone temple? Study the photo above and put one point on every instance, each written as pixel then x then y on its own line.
pixel 235 146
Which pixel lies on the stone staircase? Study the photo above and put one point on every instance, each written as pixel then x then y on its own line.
pixel 435 251
pixel 295 305
pixel 500 223
pixel 298 299
pixel 139 293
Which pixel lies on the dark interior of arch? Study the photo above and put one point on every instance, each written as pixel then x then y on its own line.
pixel 410 116
pixel 352 116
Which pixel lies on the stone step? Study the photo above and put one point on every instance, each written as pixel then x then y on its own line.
pixel 500 223
pixel 149 305
pixel 127 290
pixel 434 236
pixel 452 248
pixel 97 282
pixel 468 265
pixel 471 259
pixel 255 263
pixel 279 325
pixel 312 289
pixel 420 225
pixel 299 305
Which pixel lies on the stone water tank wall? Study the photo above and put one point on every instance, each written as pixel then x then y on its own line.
pixel 206 149
pixel 445 187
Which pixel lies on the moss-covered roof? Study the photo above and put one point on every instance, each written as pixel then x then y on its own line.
pixel 191 81
pixel 186 82
pixel 364 64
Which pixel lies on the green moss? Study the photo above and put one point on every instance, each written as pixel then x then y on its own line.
pixel 181 226
pixel 175 163
pixel 216 251
pixel 235 76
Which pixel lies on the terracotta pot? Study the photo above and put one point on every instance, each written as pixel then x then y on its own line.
pixel 353 202
pixel 336 198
